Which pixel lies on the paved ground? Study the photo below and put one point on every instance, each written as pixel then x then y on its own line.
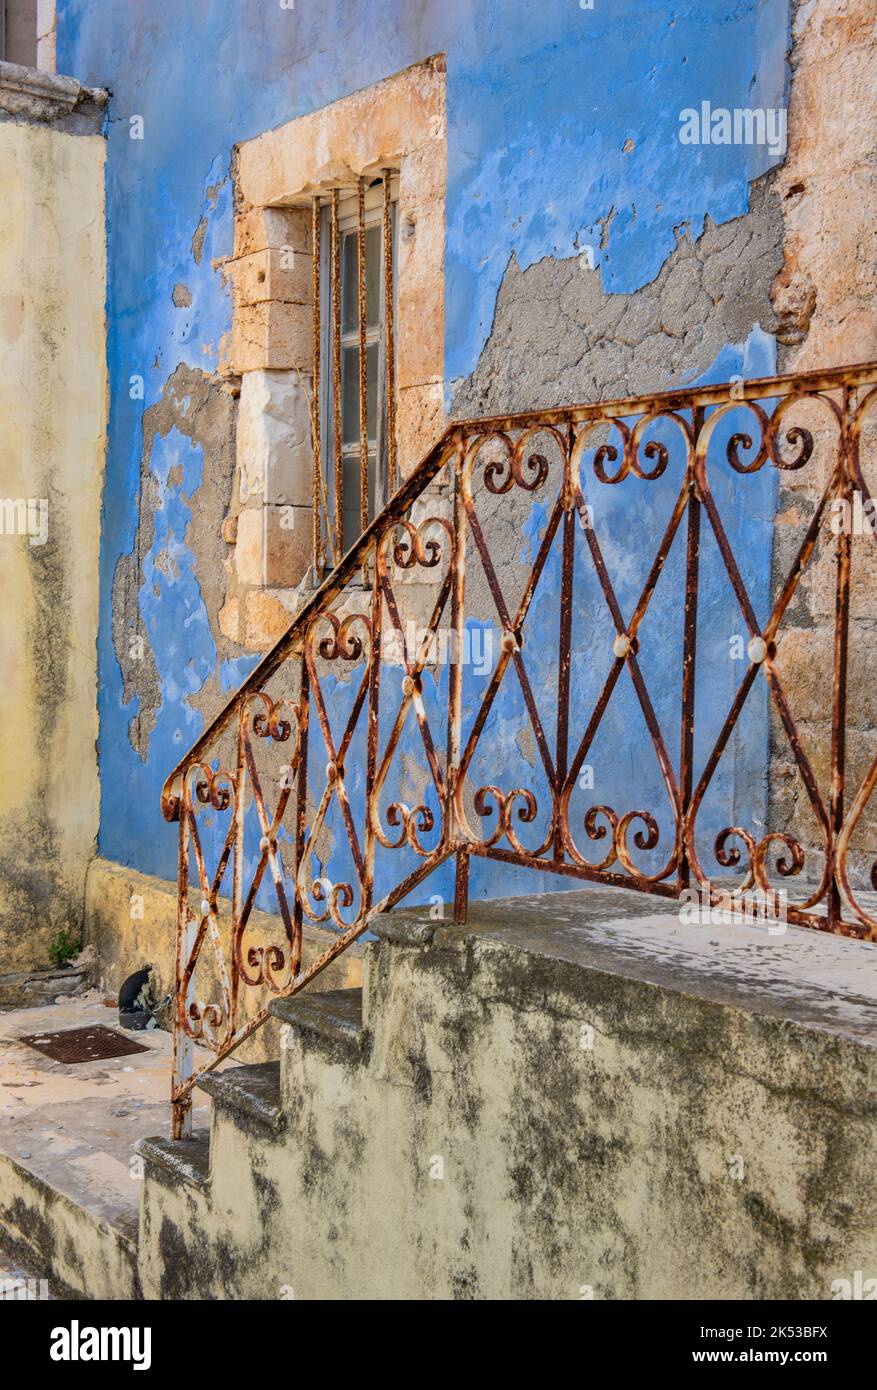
pixel 76 1125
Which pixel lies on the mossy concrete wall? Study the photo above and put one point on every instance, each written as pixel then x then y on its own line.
pixel 53 404
pixel 574 1097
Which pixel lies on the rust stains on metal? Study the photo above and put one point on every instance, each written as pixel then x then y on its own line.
pixel 390 345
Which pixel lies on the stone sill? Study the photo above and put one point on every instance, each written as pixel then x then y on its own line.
pixel 30 94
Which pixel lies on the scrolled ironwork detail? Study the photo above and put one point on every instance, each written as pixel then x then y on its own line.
pixel 361 710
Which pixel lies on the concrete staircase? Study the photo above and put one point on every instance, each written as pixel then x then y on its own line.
pixel 574 1096
pixel 69 1175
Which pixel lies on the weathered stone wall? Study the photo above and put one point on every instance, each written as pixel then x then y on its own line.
pixel 52 422
pixel 21 32
pixel 826 301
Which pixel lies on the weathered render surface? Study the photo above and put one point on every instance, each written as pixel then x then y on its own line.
pixel 567 1099
pixel 52 438
pixel 557 335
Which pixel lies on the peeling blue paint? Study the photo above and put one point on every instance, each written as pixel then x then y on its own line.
pixel 562 132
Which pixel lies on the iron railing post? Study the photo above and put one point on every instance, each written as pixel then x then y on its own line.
pixel 689 656
pixel 373 721
pixel 183 1047
pixel 839 681
pixel 561 758
pixel 301 809
pixel 453 824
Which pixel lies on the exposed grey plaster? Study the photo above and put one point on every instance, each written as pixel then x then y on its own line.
pixel 558 338
pixel 198 240
pixel 201 409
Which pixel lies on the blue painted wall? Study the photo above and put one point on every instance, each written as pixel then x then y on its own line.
pixel 555 115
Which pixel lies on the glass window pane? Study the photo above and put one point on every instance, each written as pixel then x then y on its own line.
pixel 352 527
pixel 350 280
pixel 349 285
pixel 350 394
pixel 350 512
pixel 372 275
pixel 372 479
pixel 371 362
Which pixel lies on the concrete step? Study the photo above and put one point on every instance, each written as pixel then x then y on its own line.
pixel 250 1094
pixel 65 1240
pixel 249 1097
pixel 70 1182
pixel 330 1021
pixel 181 1160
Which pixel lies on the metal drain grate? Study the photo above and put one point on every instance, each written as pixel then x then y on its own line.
pixel 83 1044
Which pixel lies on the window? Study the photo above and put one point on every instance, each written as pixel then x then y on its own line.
pixel 345 425
pixel 296 185
pixel 18 32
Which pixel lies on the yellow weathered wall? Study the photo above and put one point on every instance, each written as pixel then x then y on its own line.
pixel 53 396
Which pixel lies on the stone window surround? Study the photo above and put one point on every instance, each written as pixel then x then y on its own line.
pixel 398 124
pixel 47 24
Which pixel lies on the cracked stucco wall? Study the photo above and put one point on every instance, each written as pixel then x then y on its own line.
pixel 186 482
pixel 52 440
pixel 557 335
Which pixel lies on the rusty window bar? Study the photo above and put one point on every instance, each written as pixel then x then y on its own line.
pixel 336 378
pixel 363 356
pixel 318 488
pixel 390 334
pixel 343 627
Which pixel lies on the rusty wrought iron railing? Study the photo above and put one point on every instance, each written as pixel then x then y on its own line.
pixel 623 556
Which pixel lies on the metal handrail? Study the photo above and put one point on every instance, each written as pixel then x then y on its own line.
pixel 418 551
